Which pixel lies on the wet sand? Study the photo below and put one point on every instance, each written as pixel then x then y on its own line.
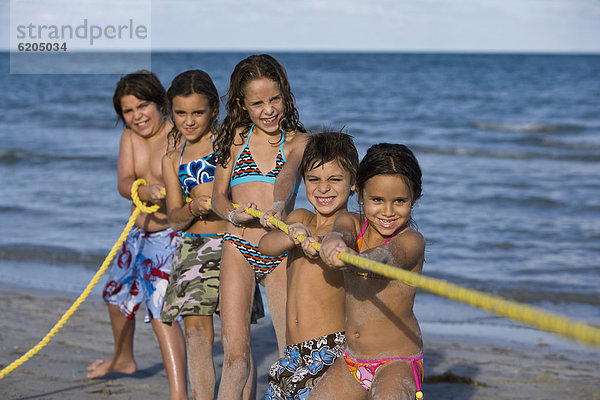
pixel 457 366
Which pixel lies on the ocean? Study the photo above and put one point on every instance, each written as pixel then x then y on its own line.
pixel 509 146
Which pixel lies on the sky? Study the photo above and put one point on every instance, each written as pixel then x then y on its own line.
pixel 546 26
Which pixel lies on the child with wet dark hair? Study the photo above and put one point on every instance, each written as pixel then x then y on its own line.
pixel 384 349
pixel 315 292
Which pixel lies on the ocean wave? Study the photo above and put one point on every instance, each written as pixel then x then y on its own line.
pixel 527 291
pixel 15 156
pixel 50 255
pixel 9 209
pixel 526 127
pixel 588 156
pixel 536 201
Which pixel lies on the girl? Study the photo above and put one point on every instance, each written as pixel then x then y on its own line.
pixel 188 171
pixel 260 133
pixel 143 264
pixel 383 355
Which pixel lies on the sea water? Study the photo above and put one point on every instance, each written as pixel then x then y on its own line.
pixel 509 146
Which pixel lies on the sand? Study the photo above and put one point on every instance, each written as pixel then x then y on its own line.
pixel 457 366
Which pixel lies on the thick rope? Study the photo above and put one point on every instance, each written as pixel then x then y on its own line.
pixel 537 317
pixel 533 316
pixel 140 207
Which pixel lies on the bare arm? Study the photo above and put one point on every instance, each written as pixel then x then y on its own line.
pixel 126 173
pixel 276 242
pixel 341 238
pixel 287 180
pixel 221 205
pixel 220 199
pixel 404 251
pixel 179 216
pixel 125 165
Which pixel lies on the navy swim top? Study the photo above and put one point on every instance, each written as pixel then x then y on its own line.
pixel 196 172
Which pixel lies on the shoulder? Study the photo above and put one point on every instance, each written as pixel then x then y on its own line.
pixel 296 138
pixel 172 156
pixel 301 215
pixel 349 216
pixel 348 221
pixel 415 237
pixel 126 134
pixel 411 244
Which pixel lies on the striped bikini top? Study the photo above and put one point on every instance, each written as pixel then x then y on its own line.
pixel 245 169
pixel 196 172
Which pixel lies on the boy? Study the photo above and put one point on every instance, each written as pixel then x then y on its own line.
pixel 315 292
pixel 142 266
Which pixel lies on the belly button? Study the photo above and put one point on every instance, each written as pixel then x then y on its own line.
pixel 356 335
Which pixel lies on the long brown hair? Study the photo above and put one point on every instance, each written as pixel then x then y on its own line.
pixel 186 84
pixel 247 70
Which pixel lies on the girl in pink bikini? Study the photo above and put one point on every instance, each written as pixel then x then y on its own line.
pixel 384 349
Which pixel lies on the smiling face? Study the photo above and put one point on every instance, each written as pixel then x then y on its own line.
pixel 141 116
pixel 192 116
pixel 328 187
pixel 264 103
pixel 387 203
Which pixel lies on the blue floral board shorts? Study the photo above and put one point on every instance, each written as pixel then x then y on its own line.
pixel 140 272
pixel 302 366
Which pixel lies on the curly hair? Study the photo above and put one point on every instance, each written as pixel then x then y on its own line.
pixel 186 84
pixel 247 70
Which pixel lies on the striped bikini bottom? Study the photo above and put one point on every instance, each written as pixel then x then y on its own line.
pixel 261 263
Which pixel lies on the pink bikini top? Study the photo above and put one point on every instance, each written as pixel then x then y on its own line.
pixel 359 241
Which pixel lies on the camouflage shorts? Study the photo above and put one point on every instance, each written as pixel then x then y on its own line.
pixel 194 282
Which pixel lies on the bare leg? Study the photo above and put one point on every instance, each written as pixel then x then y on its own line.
pixel 172 348
pixel 122 360
pixel 237 289
pixel 249 392
pixel 394 380
pixel 338 383
pixel 199 338
pixel 276 291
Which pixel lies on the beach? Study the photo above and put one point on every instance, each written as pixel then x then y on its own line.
pixel 457 365
pixel 509 145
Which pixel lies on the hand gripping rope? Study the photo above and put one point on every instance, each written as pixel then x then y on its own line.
pixel 140 207
pixel 529 315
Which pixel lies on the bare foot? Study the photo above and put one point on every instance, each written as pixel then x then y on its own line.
pixel 99 368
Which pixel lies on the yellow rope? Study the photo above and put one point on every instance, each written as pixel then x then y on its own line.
pixel 140 207
pixel 533 316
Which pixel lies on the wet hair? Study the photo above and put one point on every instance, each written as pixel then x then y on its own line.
pixel 145 86
pixel 390 159
pixel 186 84
pixel 326 146
pixel 247 70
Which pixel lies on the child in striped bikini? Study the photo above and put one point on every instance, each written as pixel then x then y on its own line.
pixel 261 132
pixel 384 349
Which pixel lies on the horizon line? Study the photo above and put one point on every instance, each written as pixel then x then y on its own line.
pixel 318 51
